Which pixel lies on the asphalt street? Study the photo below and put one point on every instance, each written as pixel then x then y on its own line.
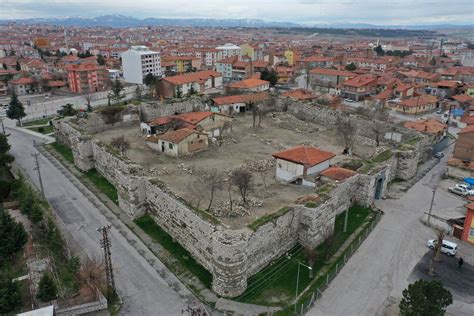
pixel 142 288
pixel 379 271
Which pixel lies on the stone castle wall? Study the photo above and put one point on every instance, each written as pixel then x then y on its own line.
pixel 232 256
pixel 153 109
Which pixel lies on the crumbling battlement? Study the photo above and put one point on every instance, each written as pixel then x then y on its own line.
pixel 232 256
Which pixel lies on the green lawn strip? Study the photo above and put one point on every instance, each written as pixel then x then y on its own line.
pixel 42 129
pixel 331 269
pixel 43 121
pixel 64 151
pixel 276 284
pixel 102 184
pixel 149 226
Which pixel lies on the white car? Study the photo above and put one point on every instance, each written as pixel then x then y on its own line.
pixel 448 247
pixel 460 191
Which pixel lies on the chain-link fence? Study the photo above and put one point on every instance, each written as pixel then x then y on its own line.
pixel 310 296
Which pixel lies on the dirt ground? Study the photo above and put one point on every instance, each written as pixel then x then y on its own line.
pixel 245 145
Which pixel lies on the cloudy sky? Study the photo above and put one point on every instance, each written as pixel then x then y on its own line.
pixel 302 11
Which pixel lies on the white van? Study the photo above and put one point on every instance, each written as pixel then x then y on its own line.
pixel 448 247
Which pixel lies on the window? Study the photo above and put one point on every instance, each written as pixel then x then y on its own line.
pixel 170 146
pixel 471 232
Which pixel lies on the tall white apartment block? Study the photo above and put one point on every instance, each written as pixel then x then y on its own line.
pixel 139 61
pixel 228 50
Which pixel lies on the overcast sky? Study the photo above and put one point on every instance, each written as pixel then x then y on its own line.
pixel 302 11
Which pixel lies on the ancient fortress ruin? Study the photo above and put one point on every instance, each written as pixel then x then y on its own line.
pixel 233 255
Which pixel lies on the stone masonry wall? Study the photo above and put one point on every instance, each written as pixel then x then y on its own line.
pixel 154 109
pixel 230 255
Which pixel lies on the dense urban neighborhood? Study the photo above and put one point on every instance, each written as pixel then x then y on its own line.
pixel 184 168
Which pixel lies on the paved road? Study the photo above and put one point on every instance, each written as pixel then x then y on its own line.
pixel 380 269
pixel 143 290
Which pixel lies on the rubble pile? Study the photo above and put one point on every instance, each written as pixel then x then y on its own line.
pixel 290 122
pixel 222 141
pixel 185 168
pixel 156 171
pixel 239 208
pixel 254 166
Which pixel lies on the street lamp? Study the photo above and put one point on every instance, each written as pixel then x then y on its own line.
pixel 298 280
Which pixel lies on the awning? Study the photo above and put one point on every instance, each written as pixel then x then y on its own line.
pixel 469 181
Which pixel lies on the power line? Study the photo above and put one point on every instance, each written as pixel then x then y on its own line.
pixel 37 168
pixel 106 245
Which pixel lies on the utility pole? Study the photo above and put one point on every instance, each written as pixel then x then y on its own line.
pixel 431 204
pixel 109 272
pixel 37 168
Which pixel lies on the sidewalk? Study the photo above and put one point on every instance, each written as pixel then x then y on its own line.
pixel 163 258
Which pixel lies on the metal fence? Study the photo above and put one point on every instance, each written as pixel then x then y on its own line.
pixel 308 300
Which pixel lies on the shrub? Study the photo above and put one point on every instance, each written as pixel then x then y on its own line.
pixel 47 290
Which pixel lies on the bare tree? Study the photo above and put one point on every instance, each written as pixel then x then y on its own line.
pixel 121 144
pixel 214 181
pixel 264 109
pixel 347 130
pixel 92 274
pixel 379 117
pixel 242 179
pixel 196 188
pixel 88 98
pixel 440 234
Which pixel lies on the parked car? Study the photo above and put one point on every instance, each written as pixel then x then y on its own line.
pixel 439 155
pixel 458 191
pixel 349 100
pixel 448 247
pixel 439 111
pixel 463 186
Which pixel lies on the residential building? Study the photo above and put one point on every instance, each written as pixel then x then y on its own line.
pixel 429 126
pixel 417 105
pixel 359 87
pixel 251 84
pixel 468 229
pixel 88 77
pixel 464 148
pixel 228 50
pixel 325 77
pixel 298 163
pixel 237 103
pixel 184 63
pixel 254 52
pixel 299 95
pixel 178 143
pixel 25 85
pixel 138 62
pixel 200 82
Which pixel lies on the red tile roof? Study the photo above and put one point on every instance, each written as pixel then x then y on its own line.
pixel 248 83
pixel 359 81
pixel 462 98
pixel 420 100
pixel 242 98
pixel 468 129
pixel 332 72
pixel 304 155
pixel 432 126
pixel 199 76
pixel 337 173
pixel 24 80
pixel 173 136
pixel 299 94
pixel 194 117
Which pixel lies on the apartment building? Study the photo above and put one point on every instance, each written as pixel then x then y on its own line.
pixel 138 62
pixel 228 50
pixel 87 77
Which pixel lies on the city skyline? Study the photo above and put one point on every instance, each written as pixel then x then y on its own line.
pixel 398 12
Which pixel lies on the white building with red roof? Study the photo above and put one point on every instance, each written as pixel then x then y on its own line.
pixel 294 164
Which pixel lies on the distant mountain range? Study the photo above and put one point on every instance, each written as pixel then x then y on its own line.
pixel 121 21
